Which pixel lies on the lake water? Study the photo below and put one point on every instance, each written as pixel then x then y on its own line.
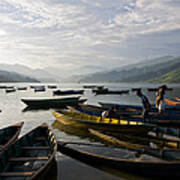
pixel 67 168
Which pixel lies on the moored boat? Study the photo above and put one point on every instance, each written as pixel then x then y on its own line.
pixel 67 92
pixel 175 103
pixel 9 135
pixel 10 90
pixel 21 88
pixel 51 86
pixel 123 161
pixel 52 102
pixel 29 157
pixel 108 124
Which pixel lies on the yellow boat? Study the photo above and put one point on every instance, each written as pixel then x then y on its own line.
pixel 86 121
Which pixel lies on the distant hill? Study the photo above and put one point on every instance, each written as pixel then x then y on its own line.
pixel 39 74
pixel 164 69
pixel 6 76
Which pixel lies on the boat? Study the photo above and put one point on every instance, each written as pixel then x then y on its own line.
pixel 147 142
pixel 39 89
pixel 156 89
pixel 52 102
pixel 92 87
pixel 124 160
pixel 9 135
pixel 177 99
pixel 29 157
pixel 67 92
pixel 21 88
pixel 85 121
pixel 137 109
pixel 129 115
pixel 173 103
pixel 112 92
pixel 10 90
pixel 51 86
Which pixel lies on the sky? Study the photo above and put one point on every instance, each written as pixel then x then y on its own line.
pixel 87 34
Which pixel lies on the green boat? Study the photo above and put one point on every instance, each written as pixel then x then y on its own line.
pixel 29 157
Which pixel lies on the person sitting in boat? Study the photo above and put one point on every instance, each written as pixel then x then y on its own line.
pixel 160 102
pixel 111 113
pixel 145 102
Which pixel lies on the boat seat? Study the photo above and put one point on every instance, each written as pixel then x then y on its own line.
pixel 15 159
pixel 12 174
pixel 36 148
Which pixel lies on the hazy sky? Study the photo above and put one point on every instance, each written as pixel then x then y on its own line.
pixel 67 34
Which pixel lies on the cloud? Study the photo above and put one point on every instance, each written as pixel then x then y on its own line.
pixel 64 33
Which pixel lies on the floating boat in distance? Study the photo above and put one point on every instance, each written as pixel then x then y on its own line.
pixel 156 89
pixel 51 86
pixel 52 102
pixel 67 92
pixel 6 87
pixel 39 89
pixel 124 160
pixel 9 135
pixel 31 156
pixel 21 88
pixel 10 90
pixel 112 92
pixel 92 86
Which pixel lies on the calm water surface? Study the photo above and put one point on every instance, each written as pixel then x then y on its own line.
pixel 67 168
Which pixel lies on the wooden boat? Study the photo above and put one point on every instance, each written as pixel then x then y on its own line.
pixel 169 109
pixel 156 89
pixel 9 135
pixel 21 88
pixel 135 142
pixel 153 118
pixel 178 99
pixel 148 167
pixel 51 86
pixel 10 90
pixel 67 92
pixel 52 102
pixel 173 103
pixel 92 86
pixel 112 125
pixel 107 92
pixel 39 89
pixel 29 157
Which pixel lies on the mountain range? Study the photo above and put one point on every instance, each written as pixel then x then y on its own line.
pixel 164 69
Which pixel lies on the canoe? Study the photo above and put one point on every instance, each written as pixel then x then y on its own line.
pixel 92 86
pixel 114 159
pixel 112 125
pixel 51 86
pixel 10 90
pixel 107 92
pixel 51 102
pixel 178 99
pixel 153 118
pixel 29 157
pixel 147 142
pixel 169 109
pixel 9 135
pixel 39 89
pixel 67 92
pixel 156 89
pixel 21 88
pixel 173 103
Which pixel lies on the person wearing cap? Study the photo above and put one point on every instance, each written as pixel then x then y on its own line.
pixel 145 102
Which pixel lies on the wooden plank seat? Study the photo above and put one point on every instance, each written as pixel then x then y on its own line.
pixel 12 174
pixel 15 159
pixel 36 148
